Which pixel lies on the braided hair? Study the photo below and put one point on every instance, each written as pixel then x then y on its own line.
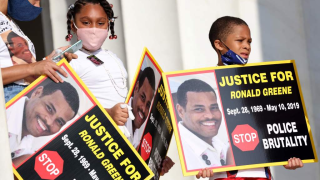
pixel 76 7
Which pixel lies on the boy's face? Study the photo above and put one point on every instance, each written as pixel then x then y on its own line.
pixel 239 41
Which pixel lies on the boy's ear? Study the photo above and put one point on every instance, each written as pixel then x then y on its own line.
pixel 218 45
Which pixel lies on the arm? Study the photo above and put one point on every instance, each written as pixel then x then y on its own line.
pixel 17 72
pixel 33 70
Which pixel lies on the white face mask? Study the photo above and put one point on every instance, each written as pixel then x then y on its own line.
pixel 92 38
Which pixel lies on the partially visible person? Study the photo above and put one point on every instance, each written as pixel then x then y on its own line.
pixel 17 76
pixel 231 39
pixel 42 114
pixel 100 69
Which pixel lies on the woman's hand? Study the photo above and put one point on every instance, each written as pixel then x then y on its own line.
pixel 68 56
pixel 47 67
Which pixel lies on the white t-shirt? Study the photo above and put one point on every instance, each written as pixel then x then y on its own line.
pixel 109 88
pixel 18 145
pixel 18 49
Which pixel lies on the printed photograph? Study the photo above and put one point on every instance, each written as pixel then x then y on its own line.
pixel 200 121
pixel 141 99
pixel 18 48
pixel 38 115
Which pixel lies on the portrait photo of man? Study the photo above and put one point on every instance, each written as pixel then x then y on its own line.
pixel 19 49
pixel 43 113
pixel 140 102
pixel 199 122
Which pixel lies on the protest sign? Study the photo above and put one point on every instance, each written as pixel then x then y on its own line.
pixel 151 130
pixel 239 117
pixel 60 131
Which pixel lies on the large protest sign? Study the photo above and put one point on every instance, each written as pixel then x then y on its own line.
pixel 151 130
pixel 239 117
pixel 60 131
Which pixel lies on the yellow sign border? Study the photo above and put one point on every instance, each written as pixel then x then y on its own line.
pixel 145 52
pixel 65 63
pixel 185 173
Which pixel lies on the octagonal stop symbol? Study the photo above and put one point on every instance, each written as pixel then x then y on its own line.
pixel 146 146
pixel 245 137
pixel 48 164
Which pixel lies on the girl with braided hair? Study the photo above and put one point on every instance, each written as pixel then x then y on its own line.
pixel 101 70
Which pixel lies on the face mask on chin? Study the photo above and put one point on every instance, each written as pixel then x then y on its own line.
pixel 92 38
pixel 23 10
pixel 231 57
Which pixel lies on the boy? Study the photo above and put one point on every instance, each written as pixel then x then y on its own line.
pixel 230 38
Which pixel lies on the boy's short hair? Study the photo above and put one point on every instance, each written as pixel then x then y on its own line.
pixel 222 27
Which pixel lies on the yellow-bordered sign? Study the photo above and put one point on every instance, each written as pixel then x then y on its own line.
pixel 87 140
pixel 239 117
pixel 153 130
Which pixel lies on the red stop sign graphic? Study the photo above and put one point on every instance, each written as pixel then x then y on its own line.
pixel 245 137
pixel 48 165
pixel 146 146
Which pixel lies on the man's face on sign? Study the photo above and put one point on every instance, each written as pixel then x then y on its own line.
pixel 45 115
pixel 201 115
pixel 141 102
pixel 19 48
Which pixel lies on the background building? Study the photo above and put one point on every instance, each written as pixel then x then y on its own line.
pixel 176 33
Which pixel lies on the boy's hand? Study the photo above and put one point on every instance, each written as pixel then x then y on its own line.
pixel 294 163
pixel 204 173
pixel 166 165
pixel 118 114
